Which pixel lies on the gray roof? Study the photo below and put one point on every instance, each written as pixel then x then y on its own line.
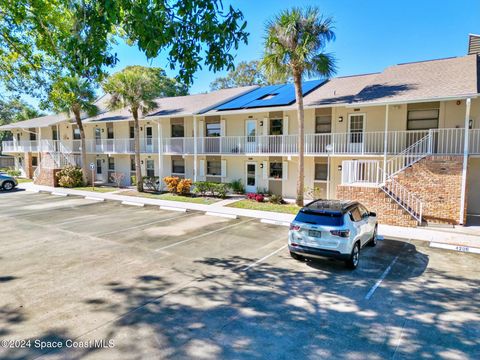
pixel 179 106
pixel 426 80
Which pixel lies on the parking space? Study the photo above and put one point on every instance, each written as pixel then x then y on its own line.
pixel 163 284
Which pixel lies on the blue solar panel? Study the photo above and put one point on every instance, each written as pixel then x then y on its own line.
pixel 273 95
pixel 243 100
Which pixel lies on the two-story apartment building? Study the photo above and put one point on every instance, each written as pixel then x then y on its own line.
pixel 405 141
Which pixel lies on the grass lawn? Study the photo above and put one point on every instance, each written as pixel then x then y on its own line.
pixel 265 206
pixel 172 197
pixel 22 180
pixel 99 189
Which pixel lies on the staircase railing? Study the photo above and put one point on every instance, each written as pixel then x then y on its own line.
pixel 409 156
pixel 404 197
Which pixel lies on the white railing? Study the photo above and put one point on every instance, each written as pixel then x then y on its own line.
pixel 474 141
pixel 409 156
pixel 405 198
pixel 361 172
pixel 443 142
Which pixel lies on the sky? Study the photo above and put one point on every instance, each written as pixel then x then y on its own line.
pixel 370 35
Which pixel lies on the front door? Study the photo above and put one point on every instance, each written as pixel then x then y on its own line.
pixel 99 171
pixel 356 125
pixel 98 139
pixel 251 180
pixel 149 139
pixel 251 136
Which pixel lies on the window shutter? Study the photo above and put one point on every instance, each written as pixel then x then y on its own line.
pixel 201 128
pixel 265 170
pixel 222 128
pixel 224 168
pixel 285 170
pixel 265 126
pixel 201 170
pixel 285 125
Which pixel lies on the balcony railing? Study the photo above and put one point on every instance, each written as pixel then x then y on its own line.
pixel 443 142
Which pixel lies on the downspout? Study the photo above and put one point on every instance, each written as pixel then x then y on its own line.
pixel 195 150
pixel 385 143
pixel 465 161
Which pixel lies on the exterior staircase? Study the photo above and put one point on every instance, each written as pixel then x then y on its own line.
pixel 404 197
pixel 54 157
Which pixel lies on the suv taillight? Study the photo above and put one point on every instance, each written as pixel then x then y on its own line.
pixel 294 227
pixel 341 233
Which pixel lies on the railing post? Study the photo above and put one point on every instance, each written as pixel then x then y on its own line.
pixel 430 149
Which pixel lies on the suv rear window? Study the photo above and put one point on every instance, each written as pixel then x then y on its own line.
pixel 316 218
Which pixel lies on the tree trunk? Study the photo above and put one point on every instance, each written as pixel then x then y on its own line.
pixel 297 79
pixel 85 170
pixel 138 168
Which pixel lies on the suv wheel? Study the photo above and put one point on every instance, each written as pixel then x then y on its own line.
pixel 296 256
pixel 8 185
pixel 352 263
pixel 373 240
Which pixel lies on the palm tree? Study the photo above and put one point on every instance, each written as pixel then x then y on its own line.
pixel 294 47
pixel 136 87
pixel 72 94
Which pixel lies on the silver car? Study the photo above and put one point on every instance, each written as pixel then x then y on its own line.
pixel 337 229
pixel 7 182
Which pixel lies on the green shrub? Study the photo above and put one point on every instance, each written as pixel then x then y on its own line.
pixel 276 199
pixel 70 176
pixel 14 173
pixel 213 189
pixel 237 186
pixel 151 183
pixel 133 180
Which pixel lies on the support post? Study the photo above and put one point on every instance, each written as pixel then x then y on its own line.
pixel 385 143
pixel 465 161
pixel 195 150
pixel 160 150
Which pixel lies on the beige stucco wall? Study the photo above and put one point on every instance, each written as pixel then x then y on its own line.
pixel 473 190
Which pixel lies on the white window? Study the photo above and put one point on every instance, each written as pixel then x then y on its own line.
pixel 214 168
pixel 422 119
pixel 150 168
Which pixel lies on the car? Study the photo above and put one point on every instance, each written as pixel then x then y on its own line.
pixel 7 182
pixel 332 228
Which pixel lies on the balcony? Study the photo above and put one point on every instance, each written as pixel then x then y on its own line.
pixel 441 142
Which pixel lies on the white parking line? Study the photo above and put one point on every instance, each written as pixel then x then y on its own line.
pixel 202 235
pixel 246 268
pixel 142 225
pixel 384 274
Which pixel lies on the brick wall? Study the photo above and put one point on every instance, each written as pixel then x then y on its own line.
pixel 47 177
pixel 388 211
pixel 437 181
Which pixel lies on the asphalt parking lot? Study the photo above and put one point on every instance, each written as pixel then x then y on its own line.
pixel 162 284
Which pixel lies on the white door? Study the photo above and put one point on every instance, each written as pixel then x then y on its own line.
pixel 99 171
pixel 98 139
pixel 149 139
pixel 251 178
pixel 251 135
pixel 356 128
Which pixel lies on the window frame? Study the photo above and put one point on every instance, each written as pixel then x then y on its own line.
pixel 315 172
pixel 208 165
pixel 173 166
pixel 216 125
pixel 279 128
pixel 426 119
pixel 147 168
pixel 172 126
pixel 271 171
pixel 317 118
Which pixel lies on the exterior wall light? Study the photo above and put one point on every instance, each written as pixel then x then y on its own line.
pixel 470 124
pixel 339 167
pixel 261 122
pixel 340 119
pixel 261 166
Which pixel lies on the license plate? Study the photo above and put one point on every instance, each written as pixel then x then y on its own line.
pixel 314 233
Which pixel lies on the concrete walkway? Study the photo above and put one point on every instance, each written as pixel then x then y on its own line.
pixel 460 238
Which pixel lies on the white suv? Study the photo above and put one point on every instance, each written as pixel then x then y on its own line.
pixel 332 228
